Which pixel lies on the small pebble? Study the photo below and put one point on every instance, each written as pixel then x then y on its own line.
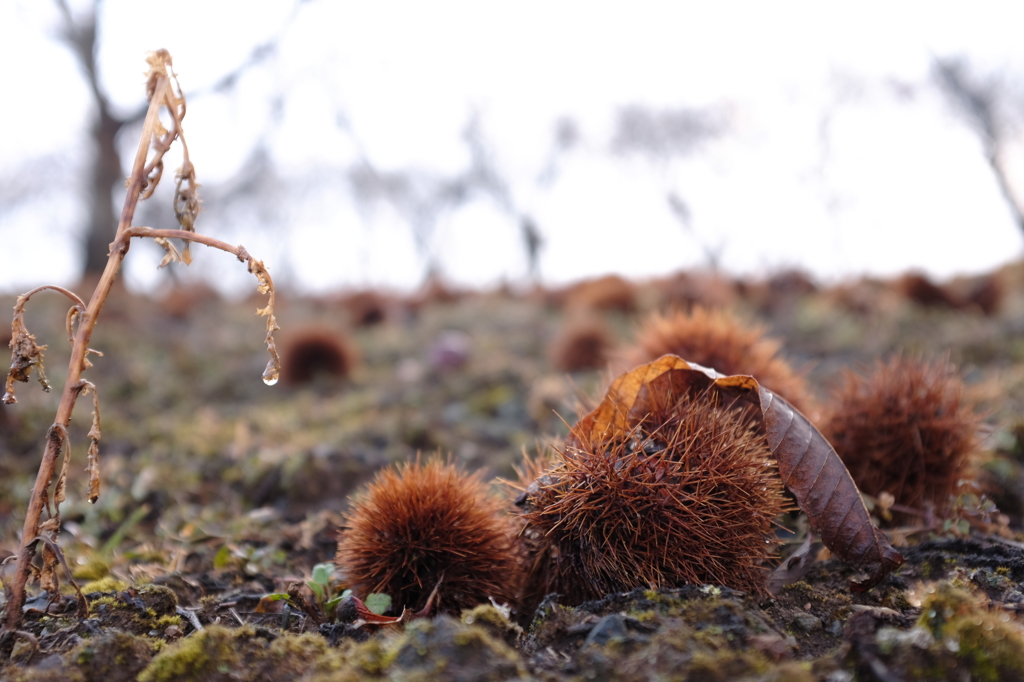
pixel 807 622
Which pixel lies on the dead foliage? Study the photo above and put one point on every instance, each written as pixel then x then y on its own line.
pixel 164 94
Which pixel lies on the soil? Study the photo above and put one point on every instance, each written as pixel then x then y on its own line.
pixel 219 491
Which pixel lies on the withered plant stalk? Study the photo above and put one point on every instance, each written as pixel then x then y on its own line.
pixel 163 92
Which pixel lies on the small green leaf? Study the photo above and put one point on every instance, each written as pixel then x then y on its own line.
pixel 378 603
pixel 322 574
pixel 345 594
pixel 317 588
pixel 331 604
pixel 276 596
pixel 222 559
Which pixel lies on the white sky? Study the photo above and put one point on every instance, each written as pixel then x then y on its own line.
pixel 892 183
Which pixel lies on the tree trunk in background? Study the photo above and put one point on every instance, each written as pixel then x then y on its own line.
pixel 106 175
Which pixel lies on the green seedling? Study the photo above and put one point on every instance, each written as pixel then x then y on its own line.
pixel 321 587
pixel 328 596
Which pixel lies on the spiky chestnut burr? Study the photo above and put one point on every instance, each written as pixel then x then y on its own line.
pixel 717 339
pixel 583 343
pixel 317 351
pixel 687 496
pixel 905 429
pixel 417 527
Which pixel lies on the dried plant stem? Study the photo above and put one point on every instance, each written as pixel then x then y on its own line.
pixel 141 182
pixel 79 303
pixel 73 386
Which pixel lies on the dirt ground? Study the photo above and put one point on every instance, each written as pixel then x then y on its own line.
pixel 219 490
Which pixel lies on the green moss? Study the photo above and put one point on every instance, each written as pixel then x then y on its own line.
pixel 372 656
pixel 791 671
pixel 990 647
pixel 444 648
pixel 495 621
pixel 107 584
pixel 112 657
pixel 122 611
pixel 722 666
pixel 95 570
pixel 193 657
pixel 107 601
pixel 988 644
pixel 800 590
pixel 117 657
pixel 167 621
pixel 222 654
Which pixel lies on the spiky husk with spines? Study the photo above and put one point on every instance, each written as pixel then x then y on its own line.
pixel 721 341
pixel 418 526
pixel 317 352
pixel 905 429
pixel 583 343
pixel 689 495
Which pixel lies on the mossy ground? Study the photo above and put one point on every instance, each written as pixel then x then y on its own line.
pixel 218 490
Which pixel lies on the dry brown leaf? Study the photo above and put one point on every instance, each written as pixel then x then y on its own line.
pixel 95 433
pixel 808 464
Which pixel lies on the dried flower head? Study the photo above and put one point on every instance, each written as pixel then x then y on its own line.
pixel 418 527
pixel 905 429
pixel 316 351
pixel 584 342
pixel 688 495
pixel 719 340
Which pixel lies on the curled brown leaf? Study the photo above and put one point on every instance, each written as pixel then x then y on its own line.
pixel 93 467
pixel 25 354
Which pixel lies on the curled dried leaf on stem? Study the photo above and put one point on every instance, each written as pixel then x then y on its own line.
pixel 264 282
pixel 163 87
pixel 266 286
pixel 93 467
pixel 49 579
pixel 25 352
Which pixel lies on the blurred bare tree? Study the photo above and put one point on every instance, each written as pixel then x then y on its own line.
pixel 666 133
pixel 423 197
pixel 78 31
pixel 260 192
pixel 984 104
pixel 663 135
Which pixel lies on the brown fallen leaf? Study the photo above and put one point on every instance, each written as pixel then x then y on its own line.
pixel 808 464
